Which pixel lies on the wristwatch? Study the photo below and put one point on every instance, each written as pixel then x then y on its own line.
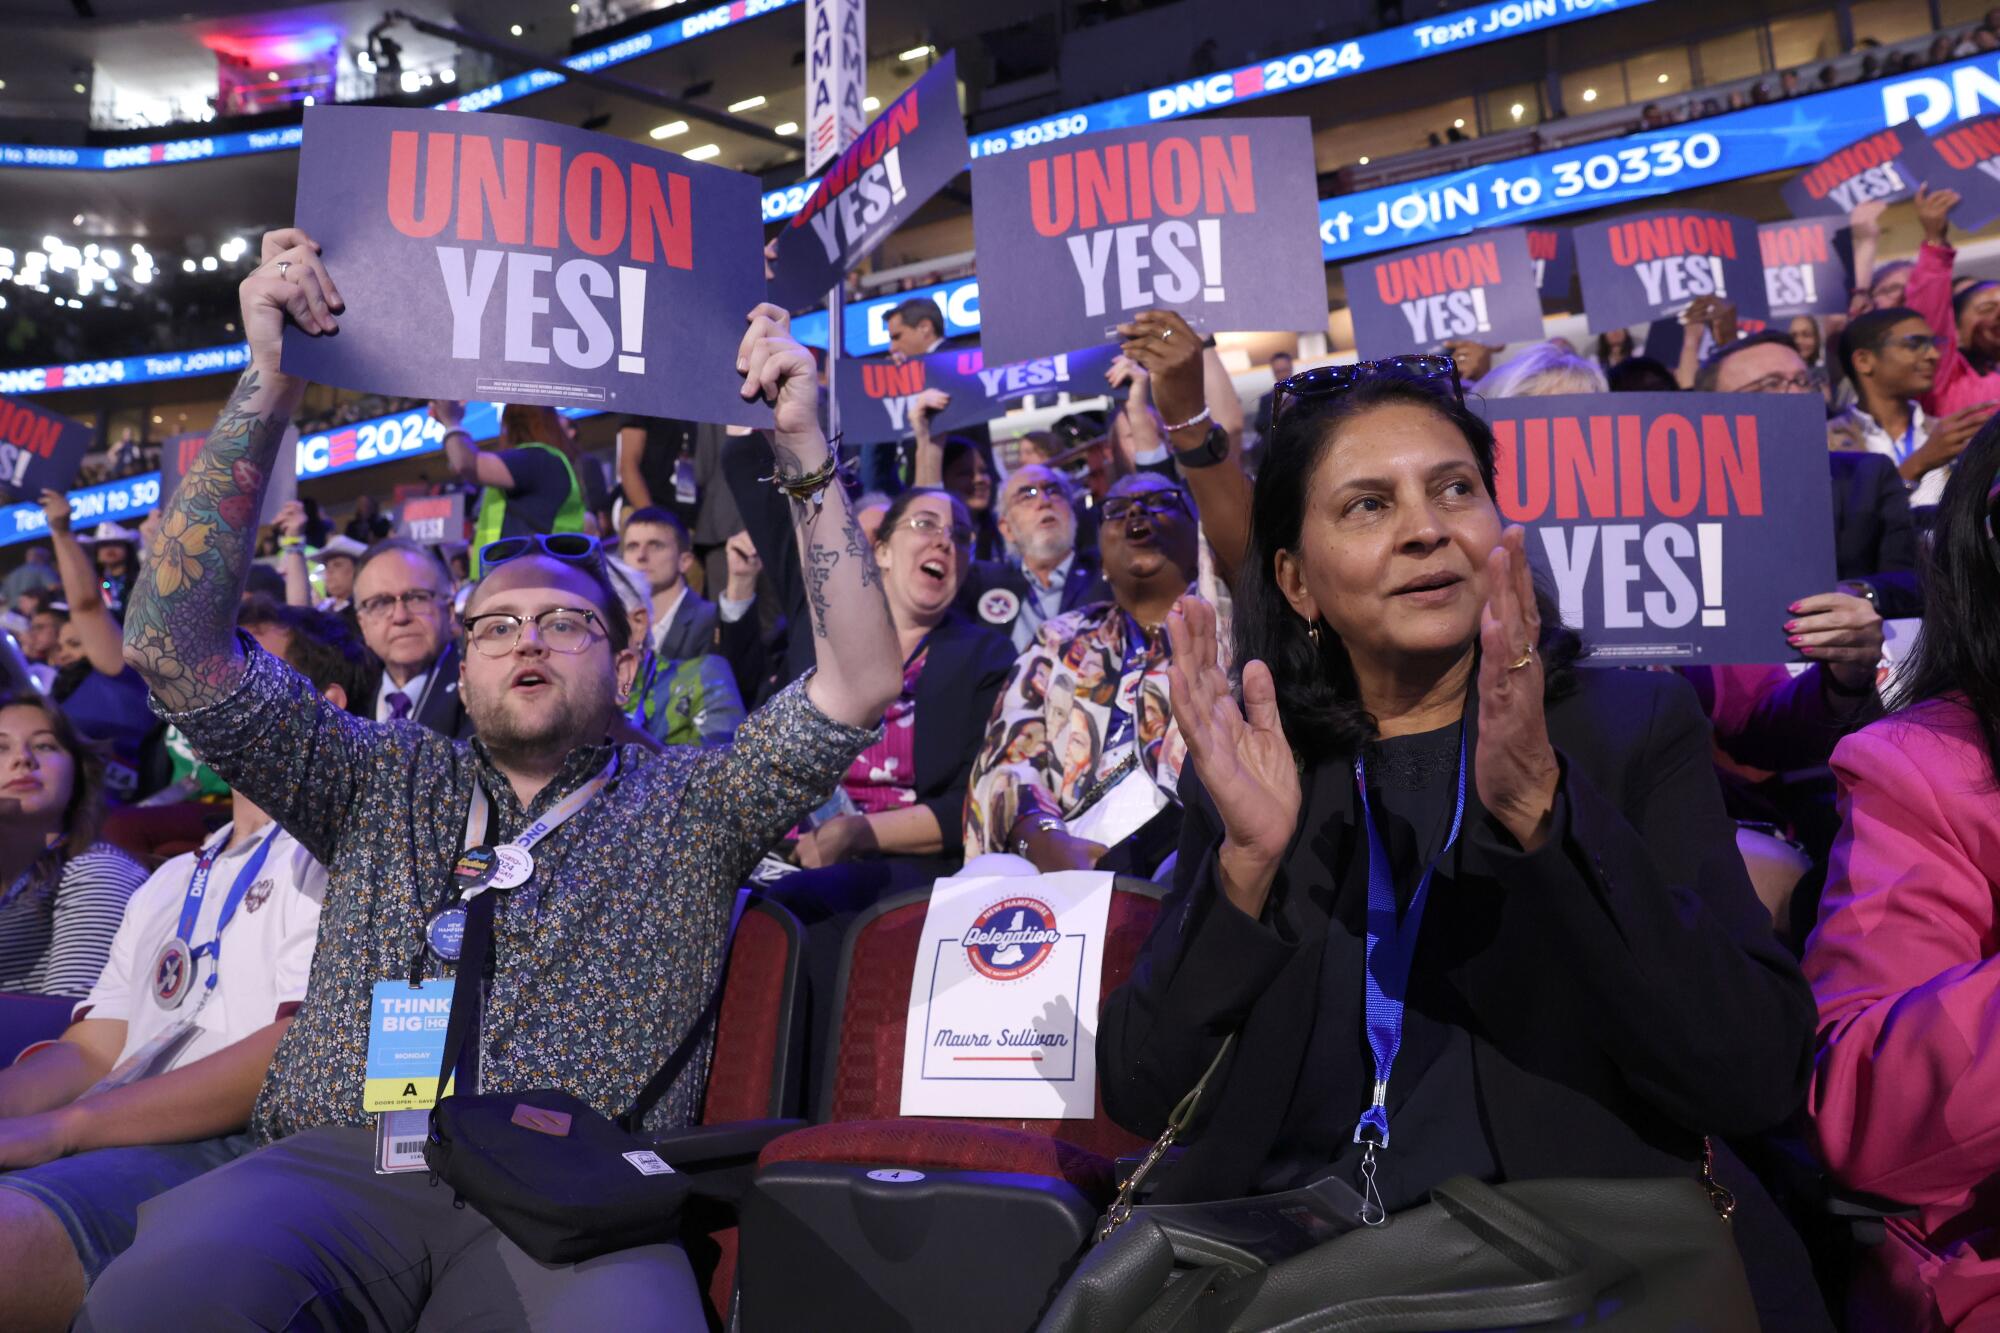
pixel 1213 449
pixel 1866 591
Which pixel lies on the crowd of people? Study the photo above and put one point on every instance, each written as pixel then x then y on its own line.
pixel 1252 655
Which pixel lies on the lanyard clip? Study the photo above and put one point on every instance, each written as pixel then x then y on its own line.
pixel 1372 1212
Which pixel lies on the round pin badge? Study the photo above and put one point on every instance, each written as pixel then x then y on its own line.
pixel 474 868
pixel 999 606
pixel 173 974
pixel 445 933
pixel 514 867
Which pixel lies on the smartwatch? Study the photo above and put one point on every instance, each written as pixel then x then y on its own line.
pixel 1213 449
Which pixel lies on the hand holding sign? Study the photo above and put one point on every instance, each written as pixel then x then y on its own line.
pixel 1841 632
pixel 927 405
pixel 776 369
pixel 1514 766
pixel 291 519
pixel 1240 753
pixel 1934 212
pixel 55 508
pixel 291 281
pixel 1162 344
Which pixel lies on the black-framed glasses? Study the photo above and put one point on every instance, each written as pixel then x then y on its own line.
pixel 572 548
pixel 928 525
pixel 416 601
pixel 1777 383
pixel 560 629
pixel 1162 503
pixel 1433 372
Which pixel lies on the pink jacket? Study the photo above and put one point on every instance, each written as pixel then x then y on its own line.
pixel 1906 1092
pixel 1958 385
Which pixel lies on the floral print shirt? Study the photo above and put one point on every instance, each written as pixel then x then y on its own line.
pixel 603 959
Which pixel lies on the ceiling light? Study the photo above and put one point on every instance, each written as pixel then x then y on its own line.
pixel 272 75
pixel 516 30
pixel 871 104
pixel 1364 161
pixel 110 259
pixel 447 74
pixel 1590 94
pixel 159 420
pixel 208 263
pixel 1517 110
pixel 789 127
pixel 705 152
pixel 187 266
pixel 412 80
pixel 309 99
pixel 574 8
pixel 1458 124
pixel 1663 78
pixel 747 104
pixel 669 130
pixel 914 53
pixel 79 87
pixel 50 243
pixel 76 221
pixel 90 251
pixel 3 85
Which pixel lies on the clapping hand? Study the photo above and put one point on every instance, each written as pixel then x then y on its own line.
pixel 1514 766
pixel 1239 751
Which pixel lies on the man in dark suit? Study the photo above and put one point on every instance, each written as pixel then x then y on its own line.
pixel 655 542
pixel 1046 575
pixel 402 597
pixel 1281 370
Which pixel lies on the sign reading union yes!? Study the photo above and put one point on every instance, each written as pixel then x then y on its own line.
pixel 1887 165
pixel 1074 238
pixel 1638 269
pixel 1481 288
pixel 39 449
pixel 1968 161
pixel 909 153
pixel 876 395
pixel 1806 266
pixel 1676 527
pixel 501 258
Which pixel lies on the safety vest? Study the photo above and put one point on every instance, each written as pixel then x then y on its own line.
pixel 492 524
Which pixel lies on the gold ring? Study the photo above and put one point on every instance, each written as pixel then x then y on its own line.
pixel 1527 656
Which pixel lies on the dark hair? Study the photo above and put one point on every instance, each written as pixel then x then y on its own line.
pixel 920 310
pixel 1867 332
pixel 83 817
pixel 321 647
pixel 1963 297
pixel 661 518
pixel 1318 697
pixel 900 506
pixel 610 605
pixel 1957 651
pixel 1705 378
pixel 1641 374
pixel 402 546
pixel 264 581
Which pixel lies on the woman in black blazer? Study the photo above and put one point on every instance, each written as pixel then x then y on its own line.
pixel 1594 987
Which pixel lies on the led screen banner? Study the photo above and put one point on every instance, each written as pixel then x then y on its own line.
pixel 527 261
pixel 1640 167
pixel 1673 527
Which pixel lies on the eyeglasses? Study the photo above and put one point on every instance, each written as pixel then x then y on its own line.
pixel 1433 372
pixel 1799 383
pixel 561 629
pixel 417 601
pixel 1160 504
pixel 927 525
pixel 1916 342
pixel 1036 490
pixel 571 548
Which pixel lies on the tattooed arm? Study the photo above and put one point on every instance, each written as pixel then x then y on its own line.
pixel 859 670
pixel 180 628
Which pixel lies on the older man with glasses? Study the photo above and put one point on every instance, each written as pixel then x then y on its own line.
pixel 402 596
pixel 1044 575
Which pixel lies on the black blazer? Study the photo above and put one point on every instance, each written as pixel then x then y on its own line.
pixel 761 665
pixel 966 668
pixel 441 709
pixel 1629 993
pixel 1084 585
pixel 1874 537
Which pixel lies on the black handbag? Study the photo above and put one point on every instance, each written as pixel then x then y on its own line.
pixel 1627 1255
pixel 557 1178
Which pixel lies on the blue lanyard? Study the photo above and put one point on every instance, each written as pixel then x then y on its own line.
pixel 1909 438
pixel 1392 945
pixel 1119 725
pixel 198 888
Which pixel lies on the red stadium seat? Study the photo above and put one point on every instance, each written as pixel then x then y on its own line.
pixel 870 1220
pixel 154 833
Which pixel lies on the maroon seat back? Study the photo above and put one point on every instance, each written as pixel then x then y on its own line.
pixel 154 833
pixel 867 1078
pixel 754 1073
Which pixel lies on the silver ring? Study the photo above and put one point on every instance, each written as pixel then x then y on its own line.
pixel 283 264
pixel 1166 334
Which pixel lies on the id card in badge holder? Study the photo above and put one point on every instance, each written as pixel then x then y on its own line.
pixel 399 1141
pixel 406 1028
pixel 686 489
pixel 153 1058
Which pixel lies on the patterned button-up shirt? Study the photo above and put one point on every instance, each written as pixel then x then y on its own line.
pixel 604 959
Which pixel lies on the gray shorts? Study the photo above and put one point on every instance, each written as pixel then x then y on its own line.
pixel 96 1195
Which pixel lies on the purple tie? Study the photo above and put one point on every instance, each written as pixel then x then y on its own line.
pixel 399 706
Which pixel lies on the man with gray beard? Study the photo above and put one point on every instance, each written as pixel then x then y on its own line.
pixel 1045 575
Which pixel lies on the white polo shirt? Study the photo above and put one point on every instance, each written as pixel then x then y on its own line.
pixel 266 952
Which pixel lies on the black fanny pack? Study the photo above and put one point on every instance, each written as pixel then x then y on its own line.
pixel 558 1178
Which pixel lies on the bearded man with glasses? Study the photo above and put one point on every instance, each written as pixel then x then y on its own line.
pixel 1044 574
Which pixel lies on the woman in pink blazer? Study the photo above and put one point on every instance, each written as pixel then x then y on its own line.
pixel 1905 963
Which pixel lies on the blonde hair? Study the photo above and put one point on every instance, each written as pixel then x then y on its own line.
pixel 1542 370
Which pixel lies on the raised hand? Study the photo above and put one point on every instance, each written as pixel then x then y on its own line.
pixel 291 281
pixel 1240 752
pixel 778 370
pixel 1934 212
pixel 1514 765
pixel 55 508
pixel 927 405
pixel 291 518
pixel 448 414
pixel 1864 220
pixel 1162 344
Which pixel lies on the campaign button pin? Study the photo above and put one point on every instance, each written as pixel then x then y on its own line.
pixel 173 974
pixel 446 933
pixel 475 868
pixel 513 868
pixel 999 606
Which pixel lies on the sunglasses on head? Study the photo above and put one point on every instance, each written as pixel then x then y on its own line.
pixel 1432 372
pixel 572 548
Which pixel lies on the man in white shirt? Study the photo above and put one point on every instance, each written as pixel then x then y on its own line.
pixel 154 1080
pixel 403 599
pixel 1892 357
pixel 655 542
